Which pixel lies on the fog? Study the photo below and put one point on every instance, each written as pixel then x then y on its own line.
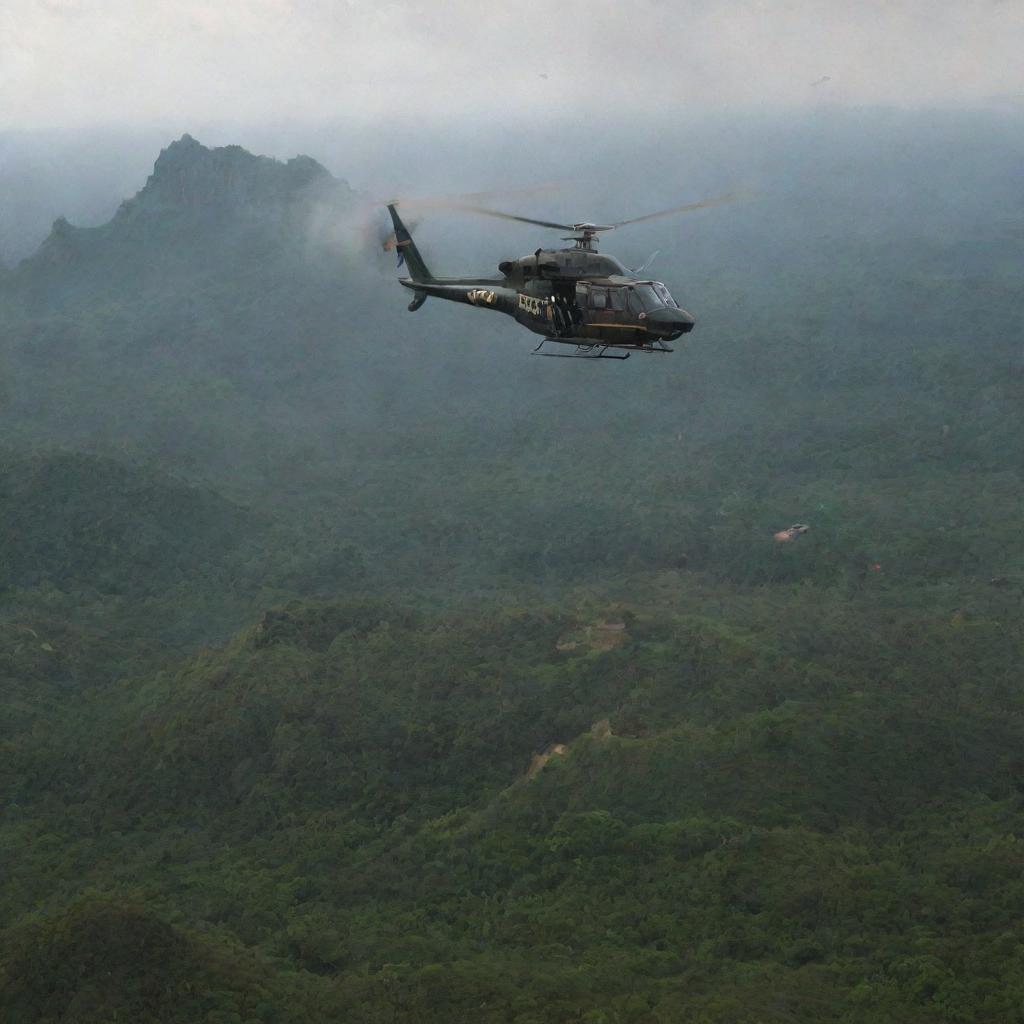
pixel 849 217
pixel 66 63
pixel 943 162
pixel 611 101
pixel 880 222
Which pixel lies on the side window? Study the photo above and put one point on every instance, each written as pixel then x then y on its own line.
pixel 599 298
pixel 617 298
pixel 635 306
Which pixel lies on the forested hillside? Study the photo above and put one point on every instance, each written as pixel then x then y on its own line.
pixel 355 665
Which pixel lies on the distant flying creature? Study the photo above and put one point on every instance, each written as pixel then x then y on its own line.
pixel 821 81
pixel 574 296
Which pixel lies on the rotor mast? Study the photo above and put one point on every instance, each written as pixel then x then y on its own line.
pixel 585 236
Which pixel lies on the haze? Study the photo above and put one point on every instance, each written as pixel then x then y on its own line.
pixel 74 63
pixel 358 665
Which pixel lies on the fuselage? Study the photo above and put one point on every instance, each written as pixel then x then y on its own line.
pixel 573 295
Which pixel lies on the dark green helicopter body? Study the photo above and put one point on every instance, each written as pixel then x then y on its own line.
pixel 574 296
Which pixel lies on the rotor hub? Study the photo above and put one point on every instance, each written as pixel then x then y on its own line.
pixel 585 235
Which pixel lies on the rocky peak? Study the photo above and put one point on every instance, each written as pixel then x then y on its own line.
pixel 188 174
pixel 62 244
pixel 197 193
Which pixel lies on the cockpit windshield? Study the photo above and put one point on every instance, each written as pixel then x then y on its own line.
pixel 649 298
pixel 663 294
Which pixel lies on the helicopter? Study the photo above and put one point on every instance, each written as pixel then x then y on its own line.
pixel 573 296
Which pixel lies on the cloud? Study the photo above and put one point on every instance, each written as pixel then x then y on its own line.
pixel 68 62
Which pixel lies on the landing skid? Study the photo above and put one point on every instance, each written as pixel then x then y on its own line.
pixel 595 351
pixel 581 353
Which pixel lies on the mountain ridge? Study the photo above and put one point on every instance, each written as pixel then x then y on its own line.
pixel 192 190
pixel 187 173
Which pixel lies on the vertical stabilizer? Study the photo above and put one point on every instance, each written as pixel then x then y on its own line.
pixel 407 250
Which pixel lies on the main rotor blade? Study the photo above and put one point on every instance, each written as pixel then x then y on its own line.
pixel 544 188
pixel 466 199
pixel 729 197
pixel 466 207
pixel 470 208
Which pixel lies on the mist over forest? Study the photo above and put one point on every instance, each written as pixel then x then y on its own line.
pixel 358 664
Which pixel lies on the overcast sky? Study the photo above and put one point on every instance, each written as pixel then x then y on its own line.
pixel 78 63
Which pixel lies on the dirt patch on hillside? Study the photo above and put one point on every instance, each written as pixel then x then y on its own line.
pixel 600 730
pixel 539 760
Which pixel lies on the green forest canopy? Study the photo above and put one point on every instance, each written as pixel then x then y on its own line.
pixel 297 587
